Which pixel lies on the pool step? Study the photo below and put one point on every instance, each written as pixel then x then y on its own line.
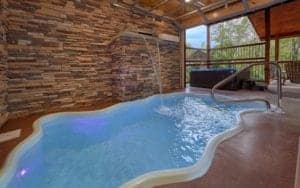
pixel 10 135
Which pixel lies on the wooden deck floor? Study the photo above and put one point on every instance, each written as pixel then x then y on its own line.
pixel 264 155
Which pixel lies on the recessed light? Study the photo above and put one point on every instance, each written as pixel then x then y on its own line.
pixel 187 1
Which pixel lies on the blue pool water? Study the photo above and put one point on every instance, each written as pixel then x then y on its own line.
pixel 108 148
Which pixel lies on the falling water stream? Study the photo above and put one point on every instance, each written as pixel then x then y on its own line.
pixel 156 68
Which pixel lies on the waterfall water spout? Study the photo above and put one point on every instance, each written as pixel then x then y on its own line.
pixel 156 66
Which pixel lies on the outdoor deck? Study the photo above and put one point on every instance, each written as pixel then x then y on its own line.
pixel 263 155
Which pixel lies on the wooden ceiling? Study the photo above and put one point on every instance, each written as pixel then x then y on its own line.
pixel 197 12
pixel 285 20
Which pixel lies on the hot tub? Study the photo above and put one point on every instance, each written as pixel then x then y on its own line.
pixel 207 78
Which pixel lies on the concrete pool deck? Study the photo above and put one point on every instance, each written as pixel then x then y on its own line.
pixel 263 155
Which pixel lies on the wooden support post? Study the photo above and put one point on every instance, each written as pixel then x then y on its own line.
pixel 208 45
pixel 277 49
pixel 182 59
pixel 267 45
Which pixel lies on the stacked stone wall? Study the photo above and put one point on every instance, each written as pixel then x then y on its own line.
pixel 3 63
pixel 59 54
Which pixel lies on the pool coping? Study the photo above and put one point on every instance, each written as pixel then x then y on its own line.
pixel 176 175
pixel 150 179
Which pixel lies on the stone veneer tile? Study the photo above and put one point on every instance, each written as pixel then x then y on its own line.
pixel 135 75
pixel 59 56
pixel 3 63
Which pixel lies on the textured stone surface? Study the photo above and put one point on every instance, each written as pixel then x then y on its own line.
pixel 3 63
pixel 136 68
pixel 59 53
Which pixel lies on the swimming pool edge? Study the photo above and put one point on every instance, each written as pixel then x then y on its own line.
pixel 199 169
pixel 150 179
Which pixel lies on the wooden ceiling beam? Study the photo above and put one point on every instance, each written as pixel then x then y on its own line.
pixel 200 12
pixel 186 15
pixel 205 9
pixel 284 14
pixel 237 13
pixel 138 9
pixel 203 15
pixel 199 2
pixel 198 9
pixel 218 4
pixel 248 11
pixel 159 4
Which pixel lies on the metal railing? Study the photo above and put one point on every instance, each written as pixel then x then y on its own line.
pixel 231 77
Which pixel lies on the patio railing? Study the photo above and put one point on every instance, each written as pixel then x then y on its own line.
pixel 237 57
pixel 257 73
pixel 255 51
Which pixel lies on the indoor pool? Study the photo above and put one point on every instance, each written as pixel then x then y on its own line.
pixel 107 148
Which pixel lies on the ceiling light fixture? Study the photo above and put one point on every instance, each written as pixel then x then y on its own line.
pixel 187 1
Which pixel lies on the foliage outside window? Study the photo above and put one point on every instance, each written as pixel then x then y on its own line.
pixel 235 32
